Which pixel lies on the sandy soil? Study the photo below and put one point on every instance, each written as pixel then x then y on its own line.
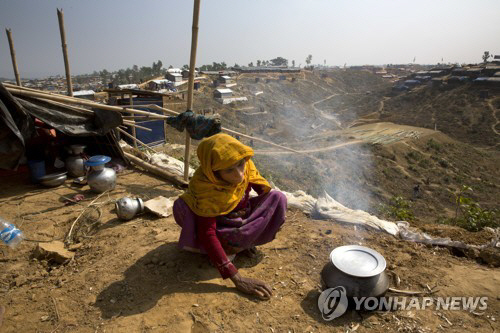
pixel 130 276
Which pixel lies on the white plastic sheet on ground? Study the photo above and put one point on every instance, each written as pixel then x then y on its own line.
pixel 328 208
pixel 170 164
pixel 325 207
pixel 161 160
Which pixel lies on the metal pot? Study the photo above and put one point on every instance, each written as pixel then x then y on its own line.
pixel 75 162
pixel 100 178
pixel 127 208
pixel 53 179
pixel 360 270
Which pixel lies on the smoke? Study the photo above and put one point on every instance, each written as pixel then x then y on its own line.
pixel 329 162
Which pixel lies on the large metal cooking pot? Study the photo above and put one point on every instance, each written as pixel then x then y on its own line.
pixel 75 162
pixel 100 178
pixel 360 270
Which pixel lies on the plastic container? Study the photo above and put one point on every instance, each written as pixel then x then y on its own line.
pixel 9 234
pixel 37 169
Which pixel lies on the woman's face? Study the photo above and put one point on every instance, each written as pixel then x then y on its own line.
pixel 234 174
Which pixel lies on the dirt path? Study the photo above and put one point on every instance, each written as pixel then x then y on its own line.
pixel 494 114
pixel 307 151
pixel 323 113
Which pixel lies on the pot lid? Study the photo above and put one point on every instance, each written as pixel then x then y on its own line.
pixel 97 160
pixel 359 261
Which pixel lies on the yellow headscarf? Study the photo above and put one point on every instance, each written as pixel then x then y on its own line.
pixel 209 196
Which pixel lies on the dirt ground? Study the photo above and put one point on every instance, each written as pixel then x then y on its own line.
pixel 131 277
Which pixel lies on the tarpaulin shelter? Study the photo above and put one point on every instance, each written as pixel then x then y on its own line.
pixel 17 127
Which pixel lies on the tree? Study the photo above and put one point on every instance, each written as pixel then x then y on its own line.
pixel 249 65
pixel 279 61
pixel 236 65
pixel 293 63
pixel 186 67
pixel 486 55
pixel 258 63
pixel 309 59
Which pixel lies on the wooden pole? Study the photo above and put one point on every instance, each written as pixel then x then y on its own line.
pixel 60 16
pixel 13 56
pixel 135 139
pixel 21 91
pixel 131 101
pixel 192 64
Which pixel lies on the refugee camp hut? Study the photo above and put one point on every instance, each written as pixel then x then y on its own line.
pixel 493 81
pixel 480 81
pixel 411 83
pixel 423 78
pixel 174 77
pixel 225 79
pixel 38 132
pixel 445 70
pixel 490 70
pixel 185 73
pixel 436 73
pixel 457 80
pixel 461 71
pixel 473 72
pixel 497 74
pixel 86 94
pixel 222 93
pixel 156 85
pixel 436 82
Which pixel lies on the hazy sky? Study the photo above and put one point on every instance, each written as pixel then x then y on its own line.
pixel 118 34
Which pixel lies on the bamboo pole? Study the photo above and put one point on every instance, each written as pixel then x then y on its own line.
pixel 135 117
pixel 134 125
pixel 60 98
pixel 192 64
pixel 135 139
pixel 13 56
pixel 60 16
pixel 131 101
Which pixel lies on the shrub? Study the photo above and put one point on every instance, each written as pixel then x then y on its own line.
pixel 432 144
pixel 443 163
pixel 398 208
pixel 469 214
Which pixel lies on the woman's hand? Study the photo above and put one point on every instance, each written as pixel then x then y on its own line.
pixel 240 213
pixel 252 286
